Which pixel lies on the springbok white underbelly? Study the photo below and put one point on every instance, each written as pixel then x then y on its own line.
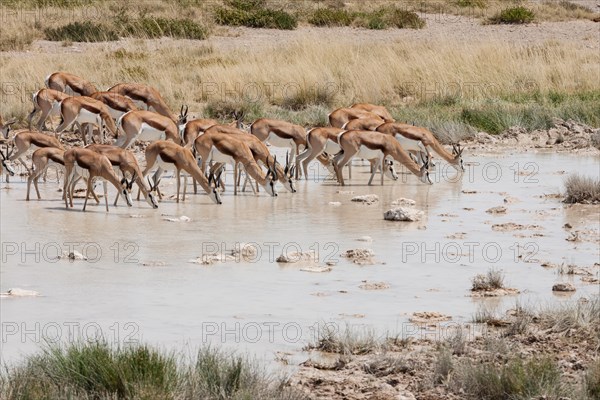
pixel 217 157
pixel 409 144
pixel 277 141
pixel 87 117
pixel 150 134
pixel 115 114
pixel 332 147
pixel 368 154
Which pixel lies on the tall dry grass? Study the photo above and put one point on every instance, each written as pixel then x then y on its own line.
pixel 430 81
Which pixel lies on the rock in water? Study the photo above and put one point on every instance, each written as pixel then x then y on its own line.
pixel 404 202
pixel 367 198
pixel 21 292
pixel 563 287
pixel 403 214
pixel 497 210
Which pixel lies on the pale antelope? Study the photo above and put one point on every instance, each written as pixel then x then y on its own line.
pixel 380 111
pixel 192 129
pixel 168 156
pixel 48 102
pixel 146 126
pixel 69 83
pixel 147 97
pixel 318 142
pixel 85 110
pixel 281 134
pixel 338 118
pixel 116 103
pixel 41 160
pixel 261 154
pixel 230 149
pixel 24 140
pixel 375 145
pixel 418 139
pixel 124 161
pixel 91 165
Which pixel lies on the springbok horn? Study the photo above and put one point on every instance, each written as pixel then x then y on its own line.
pixel 275 177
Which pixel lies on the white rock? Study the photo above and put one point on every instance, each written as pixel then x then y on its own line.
pixel 335 203
pixel 183 218
pixel 403 214
pixel 73 256
pixel 17 292
pixel 404 202
pixel 367 198
pixel 365 239
pixel 295 256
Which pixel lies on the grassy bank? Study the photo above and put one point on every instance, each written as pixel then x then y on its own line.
pixel 100 371
pixel 486 86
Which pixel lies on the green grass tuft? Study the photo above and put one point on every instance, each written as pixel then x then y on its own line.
pixel 85 31
pixel 513 15
pixel 254 14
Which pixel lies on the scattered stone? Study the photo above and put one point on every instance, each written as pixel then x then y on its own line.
pixel 71 256
pixel 457 235
pixel 137 216
pixel 331 263
pixel 589 279
pixel 403 214
pixel 494 292
pixel 448 215
pixel 497 210
pixel 365 239
pixel 567 226
pixel 296 256
pixel 468 209
pixel 335 203
pixel 511 226
pixel 563 287
pixel 404 202
pixel 18 292
pixel 548 264
pixel 209 259
pixel 183 218
pixel 153 264
pixel 469 191
pixel 367 199
pixel 360 256
pixel 316 269
pixel 510 200
pixel 345 192
pixel 426 317
pixel 374 285
pixel 352 315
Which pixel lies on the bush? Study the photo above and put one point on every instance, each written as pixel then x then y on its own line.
pixel 331 17
pixel 147 27
pixel 580 189
pixel 494 279
pixel 517 379
pixel 86 31
pixel 472 3
pixel 253 14
pixel 514 15
pixel 592 380
pixel 390 17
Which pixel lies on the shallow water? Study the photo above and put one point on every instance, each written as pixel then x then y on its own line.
pixel 262 306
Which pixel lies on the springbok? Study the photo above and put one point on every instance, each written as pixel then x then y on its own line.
pixel 85 110
pixel 147 126
pixel 338 118
pixel 41 160
pixel 380 111
pixel 69 83
pixel 147 97
pixel 48 102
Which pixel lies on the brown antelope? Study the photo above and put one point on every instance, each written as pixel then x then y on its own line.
pixel 373 145
pixel 169 156
pixel 69 83
pixel 192 129
pixel 319 141
pixel 380 111
pixel 341 116
pixel 116 103
pixel 230 149
pixel 25 140
pixel 85 110
pixel 91 166
pixel 363 124
pixel 147 97
pixel 146 126
pixel 418 139
pixel 42 159
pixel 261 154
pixel 124 161
pixel 48 102
pixel 281 134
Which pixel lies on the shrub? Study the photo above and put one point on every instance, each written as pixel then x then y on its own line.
pixel 494 279
pixel 581 189
pixel 254 14
pixel 147 27
pixel 331 17
pixel 517 379
pixel 592 380
pixel 86 31
pixel 471 3
pixel 514 15
pixel 390 17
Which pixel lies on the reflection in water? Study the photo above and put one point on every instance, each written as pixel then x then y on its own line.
pixel 261 305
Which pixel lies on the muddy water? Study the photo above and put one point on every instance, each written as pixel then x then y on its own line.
pixel 262 306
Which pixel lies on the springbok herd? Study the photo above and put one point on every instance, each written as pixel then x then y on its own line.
pixel 201 147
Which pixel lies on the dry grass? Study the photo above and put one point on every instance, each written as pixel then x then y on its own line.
pixel 493 279
pixel 443 78
pixel 581 189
